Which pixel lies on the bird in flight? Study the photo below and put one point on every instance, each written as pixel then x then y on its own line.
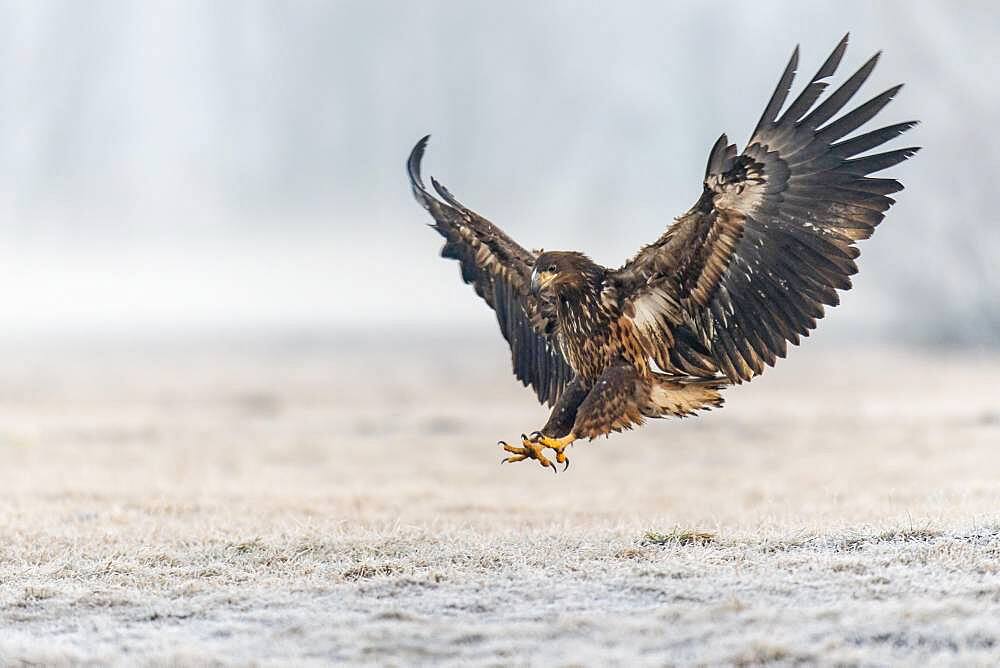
pixel 712 302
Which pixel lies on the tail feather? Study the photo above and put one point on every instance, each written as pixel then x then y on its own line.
pixel 680 396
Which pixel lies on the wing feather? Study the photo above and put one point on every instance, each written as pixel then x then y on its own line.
pixel 772 238
pixel 499 270
pixel 780 93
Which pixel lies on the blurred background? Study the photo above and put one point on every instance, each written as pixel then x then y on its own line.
pixel 247 414
pixel 172 168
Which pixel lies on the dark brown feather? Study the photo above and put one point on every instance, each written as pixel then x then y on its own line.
pixel 772 237
pixel 499 270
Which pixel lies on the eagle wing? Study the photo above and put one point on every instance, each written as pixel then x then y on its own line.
pixel 500 271
pixel 772 238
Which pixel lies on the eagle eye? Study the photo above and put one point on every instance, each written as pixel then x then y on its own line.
pixel 551 269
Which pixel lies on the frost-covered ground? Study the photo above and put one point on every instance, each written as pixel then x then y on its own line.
pixel 342 502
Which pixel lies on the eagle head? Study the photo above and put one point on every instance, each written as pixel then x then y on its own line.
pixel 561 272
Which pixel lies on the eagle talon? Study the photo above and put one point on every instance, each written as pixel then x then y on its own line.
pixel 532 447
pixel 558 445
pixel 530 450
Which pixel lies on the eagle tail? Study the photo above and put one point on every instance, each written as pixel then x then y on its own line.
pixel 681 396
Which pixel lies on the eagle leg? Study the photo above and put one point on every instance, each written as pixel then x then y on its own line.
pixel 557 433
pixel 530 450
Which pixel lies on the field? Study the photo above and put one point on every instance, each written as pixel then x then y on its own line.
pixel 336 500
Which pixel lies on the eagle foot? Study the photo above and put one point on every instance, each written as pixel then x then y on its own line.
pixel 529 450
pixel 558 445
pixel 532 447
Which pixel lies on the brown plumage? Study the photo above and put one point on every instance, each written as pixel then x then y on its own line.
pixel 716 299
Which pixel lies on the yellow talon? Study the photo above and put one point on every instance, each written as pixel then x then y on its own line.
pixel 559 445
pixel 531 448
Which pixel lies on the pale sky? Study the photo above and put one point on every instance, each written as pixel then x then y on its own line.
pixel 212 164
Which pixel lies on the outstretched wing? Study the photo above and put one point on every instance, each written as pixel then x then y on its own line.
pixel 772 238
pixel 500 271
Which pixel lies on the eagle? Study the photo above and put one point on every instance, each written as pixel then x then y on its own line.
pixel 716 299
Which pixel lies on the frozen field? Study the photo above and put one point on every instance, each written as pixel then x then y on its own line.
pixel 342 502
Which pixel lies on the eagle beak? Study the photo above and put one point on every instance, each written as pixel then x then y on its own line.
pixel 535 285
